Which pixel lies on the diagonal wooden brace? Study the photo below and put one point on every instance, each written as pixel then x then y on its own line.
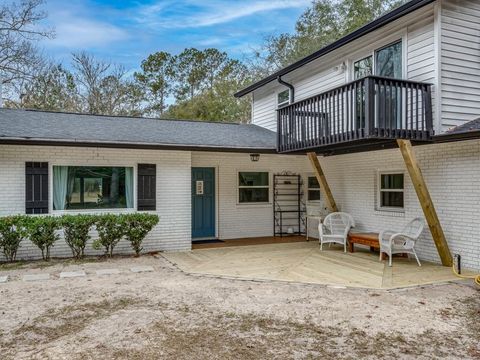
pixel 322 180
pixel 425 201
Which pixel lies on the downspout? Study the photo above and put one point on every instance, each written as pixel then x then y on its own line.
pixel 290 86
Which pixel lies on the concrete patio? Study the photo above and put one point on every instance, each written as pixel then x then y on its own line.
pixel 304 262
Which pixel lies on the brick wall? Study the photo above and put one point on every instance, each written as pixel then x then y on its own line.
pixel 452 173
pixel 245 220
pixel 173 190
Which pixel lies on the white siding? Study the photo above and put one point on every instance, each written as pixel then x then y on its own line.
pixel 173 190
pixel 417 32
pixel 263 110
pixel 460 61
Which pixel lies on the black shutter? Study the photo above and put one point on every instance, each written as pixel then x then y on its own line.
pixel 146 196
pixel 36 187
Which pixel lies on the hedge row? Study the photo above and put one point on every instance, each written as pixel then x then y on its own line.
pixel 43 231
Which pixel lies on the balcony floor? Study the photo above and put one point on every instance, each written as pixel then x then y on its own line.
pixel 304 262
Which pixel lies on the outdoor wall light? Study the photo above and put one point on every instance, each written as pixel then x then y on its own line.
pixel 254 157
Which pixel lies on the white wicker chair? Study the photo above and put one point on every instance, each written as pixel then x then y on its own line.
pixel 335 228
pixel 402 242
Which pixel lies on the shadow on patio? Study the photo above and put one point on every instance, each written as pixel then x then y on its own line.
pixel 304 262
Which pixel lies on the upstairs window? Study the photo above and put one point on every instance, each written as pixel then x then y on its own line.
pixel 253 187
pixel 391 190
pixel 385 61
pixel 92 187
pixel 283 98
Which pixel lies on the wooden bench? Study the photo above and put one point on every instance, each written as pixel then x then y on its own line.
pixel 367 238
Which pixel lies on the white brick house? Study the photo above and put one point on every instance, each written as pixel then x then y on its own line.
pixel 433 46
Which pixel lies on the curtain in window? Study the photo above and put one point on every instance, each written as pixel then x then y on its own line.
pixel 60 187
pixel 129 187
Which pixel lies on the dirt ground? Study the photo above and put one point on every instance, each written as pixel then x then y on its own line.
pixel 166 314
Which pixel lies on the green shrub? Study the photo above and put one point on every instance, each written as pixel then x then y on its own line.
pixel 136 227
pixel 110 232
pixel 13 229
pixel 76 229
pixel 42 231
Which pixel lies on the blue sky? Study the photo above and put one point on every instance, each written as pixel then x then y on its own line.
pixel 128 31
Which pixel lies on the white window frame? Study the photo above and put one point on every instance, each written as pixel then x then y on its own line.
pixel 286 102
pixel 399 36
pixel 313 189
pixel 379 190
pixel 254 187
pixel 92 211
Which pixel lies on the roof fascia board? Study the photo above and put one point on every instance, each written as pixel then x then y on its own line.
pixel 372 26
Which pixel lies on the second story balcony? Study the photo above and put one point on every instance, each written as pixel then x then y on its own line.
pixel 371 112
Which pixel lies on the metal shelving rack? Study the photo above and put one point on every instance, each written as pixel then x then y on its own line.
pixel 288 207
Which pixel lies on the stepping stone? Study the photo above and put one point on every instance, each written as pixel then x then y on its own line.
pixel 3 279
pixel 72 274
pixel 36 277
pixel 108 272
pixel 139 269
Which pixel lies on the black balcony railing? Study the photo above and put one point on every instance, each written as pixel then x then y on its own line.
pixel 372 108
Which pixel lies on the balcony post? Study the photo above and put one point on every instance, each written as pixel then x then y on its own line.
pixel 279 131
pixel 369 106
pixel 425 201
pixel 322 181
pixel 428 110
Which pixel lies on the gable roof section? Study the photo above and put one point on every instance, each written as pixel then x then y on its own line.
pixel 395 14
pixel 70 129
pixel 469 130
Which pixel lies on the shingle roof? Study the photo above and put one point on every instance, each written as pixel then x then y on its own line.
pixel 469 130
pixel 473 125
pixel 30 126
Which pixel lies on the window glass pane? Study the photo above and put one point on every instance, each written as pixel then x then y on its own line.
pixel 392 181
pixel 247 195
pixel 253 178
pixel 363 68
pixel 313 195
pixel 389 61
pixel 313 183
pixel 391 199
pixel 91 187
pixel 283 97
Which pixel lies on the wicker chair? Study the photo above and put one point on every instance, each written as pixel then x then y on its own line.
pixel 402 242
pixel 335 228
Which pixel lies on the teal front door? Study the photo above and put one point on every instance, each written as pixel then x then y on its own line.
pixel 203 203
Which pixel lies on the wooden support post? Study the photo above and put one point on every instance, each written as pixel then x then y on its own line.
pixel 425 201
pixel 322 180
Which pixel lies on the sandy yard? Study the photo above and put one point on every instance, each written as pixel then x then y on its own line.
pixel 166 314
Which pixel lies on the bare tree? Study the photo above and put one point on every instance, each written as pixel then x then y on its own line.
pixel 19 32
pixel 103 87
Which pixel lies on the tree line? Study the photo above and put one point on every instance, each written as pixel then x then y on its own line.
pixel 194 84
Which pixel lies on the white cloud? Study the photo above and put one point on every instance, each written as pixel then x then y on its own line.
pixel 195 14
pixel 81 33
pixel 80 25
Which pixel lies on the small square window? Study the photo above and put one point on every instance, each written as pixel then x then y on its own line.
pixel 391 191
pixel 253 187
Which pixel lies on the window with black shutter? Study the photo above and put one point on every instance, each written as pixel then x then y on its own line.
pixel 146 197
pixel 36 187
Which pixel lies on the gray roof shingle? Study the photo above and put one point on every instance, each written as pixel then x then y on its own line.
pixel 68 128
pixel 473 125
